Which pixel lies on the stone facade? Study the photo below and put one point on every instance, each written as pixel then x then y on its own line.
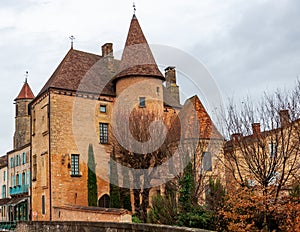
pixel 53 146
pixel 75 110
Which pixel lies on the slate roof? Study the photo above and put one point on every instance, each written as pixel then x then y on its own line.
pixel 137 58
pixel 25 92
pixel 82 71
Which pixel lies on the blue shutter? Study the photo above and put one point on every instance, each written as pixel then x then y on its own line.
pixel 24 157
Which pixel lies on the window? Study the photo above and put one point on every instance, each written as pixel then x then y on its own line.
pixel 272 149
pixel 207 161
pixel 34 167
pixel 4 176
pixel 3 191
pixel 18 179
pixel 24 158
pixel 75 165
pixel 103 108
pixel 157 91
pixel 43 205
pixel 142 102
pixel 17 160
pixel 104 201
pixel 24 178
pixel 12 162
pixel 103 133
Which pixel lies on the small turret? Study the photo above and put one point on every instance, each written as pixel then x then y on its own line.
pixel 22 118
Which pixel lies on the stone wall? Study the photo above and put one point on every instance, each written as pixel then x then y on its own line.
pixel 97 227
pixel 90 214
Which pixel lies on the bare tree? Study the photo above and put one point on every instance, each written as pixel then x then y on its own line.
pixel 263 151
pixel 141 145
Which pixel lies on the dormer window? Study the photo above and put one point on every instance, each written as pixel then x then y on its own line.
pixel 142 102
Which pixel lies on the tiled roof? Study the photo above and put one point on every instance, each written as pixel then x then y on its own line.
pixel 137 58
pixel 207 129
pixel 25 92
pixel 4 201
pixel 82 71
pixel 3 161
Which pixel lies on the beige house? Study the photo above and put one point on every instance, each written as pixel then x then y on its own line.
pixel 266 159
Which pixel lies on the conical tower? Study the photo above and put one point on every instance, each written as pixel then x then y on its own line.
pixel 22 117
pixel 139 77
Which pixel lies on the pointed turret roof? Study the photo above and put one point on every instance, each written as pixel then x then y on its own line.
pixel 137 58
pixel 25 92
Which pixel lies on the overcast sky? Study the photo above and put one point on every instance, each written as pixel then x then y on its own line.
pixel 248 46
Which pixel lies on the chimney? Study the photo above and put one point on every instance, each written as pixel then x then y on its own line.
pixel 256 128
pixel 170 74
pixel 236 137
pixel 107 49
pixel 171 86
pixel 284 117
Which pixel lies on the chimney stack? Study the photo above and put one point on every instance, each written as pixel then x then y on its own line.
pixel 256 128
pixel 236 137
pixel 284 117
pixel 170 74
pixel 107 49
pixel 171 86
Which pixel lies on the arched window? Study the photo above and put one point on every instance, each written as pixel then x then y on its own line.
pixel 104 201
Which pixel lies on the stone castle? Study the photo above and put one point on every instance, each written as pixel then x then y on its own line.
pixel 46 171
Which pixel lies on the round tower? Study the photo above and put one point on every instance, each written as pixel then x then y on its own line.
pixel 22 117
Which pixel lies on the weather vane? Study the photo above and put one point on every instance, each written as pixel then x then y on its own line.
pixel 72 38
pixel 26 76
pixel 134 8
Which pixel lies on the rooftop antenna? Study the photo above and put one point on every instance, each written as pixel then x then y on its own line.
pixel 134 8
pixel 26 76
pixel 72 38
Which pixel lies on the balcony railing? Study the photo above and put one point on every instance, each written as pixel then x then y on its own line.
pixel 19 189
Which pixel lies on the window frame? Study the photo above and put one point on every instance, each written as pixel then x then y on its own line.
pixel 34 167
pixel 43 205
pixel 103 133
pixel 12 162
pixel 142 102
pixel 103 109
pixel 24 158
pixel 75 165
